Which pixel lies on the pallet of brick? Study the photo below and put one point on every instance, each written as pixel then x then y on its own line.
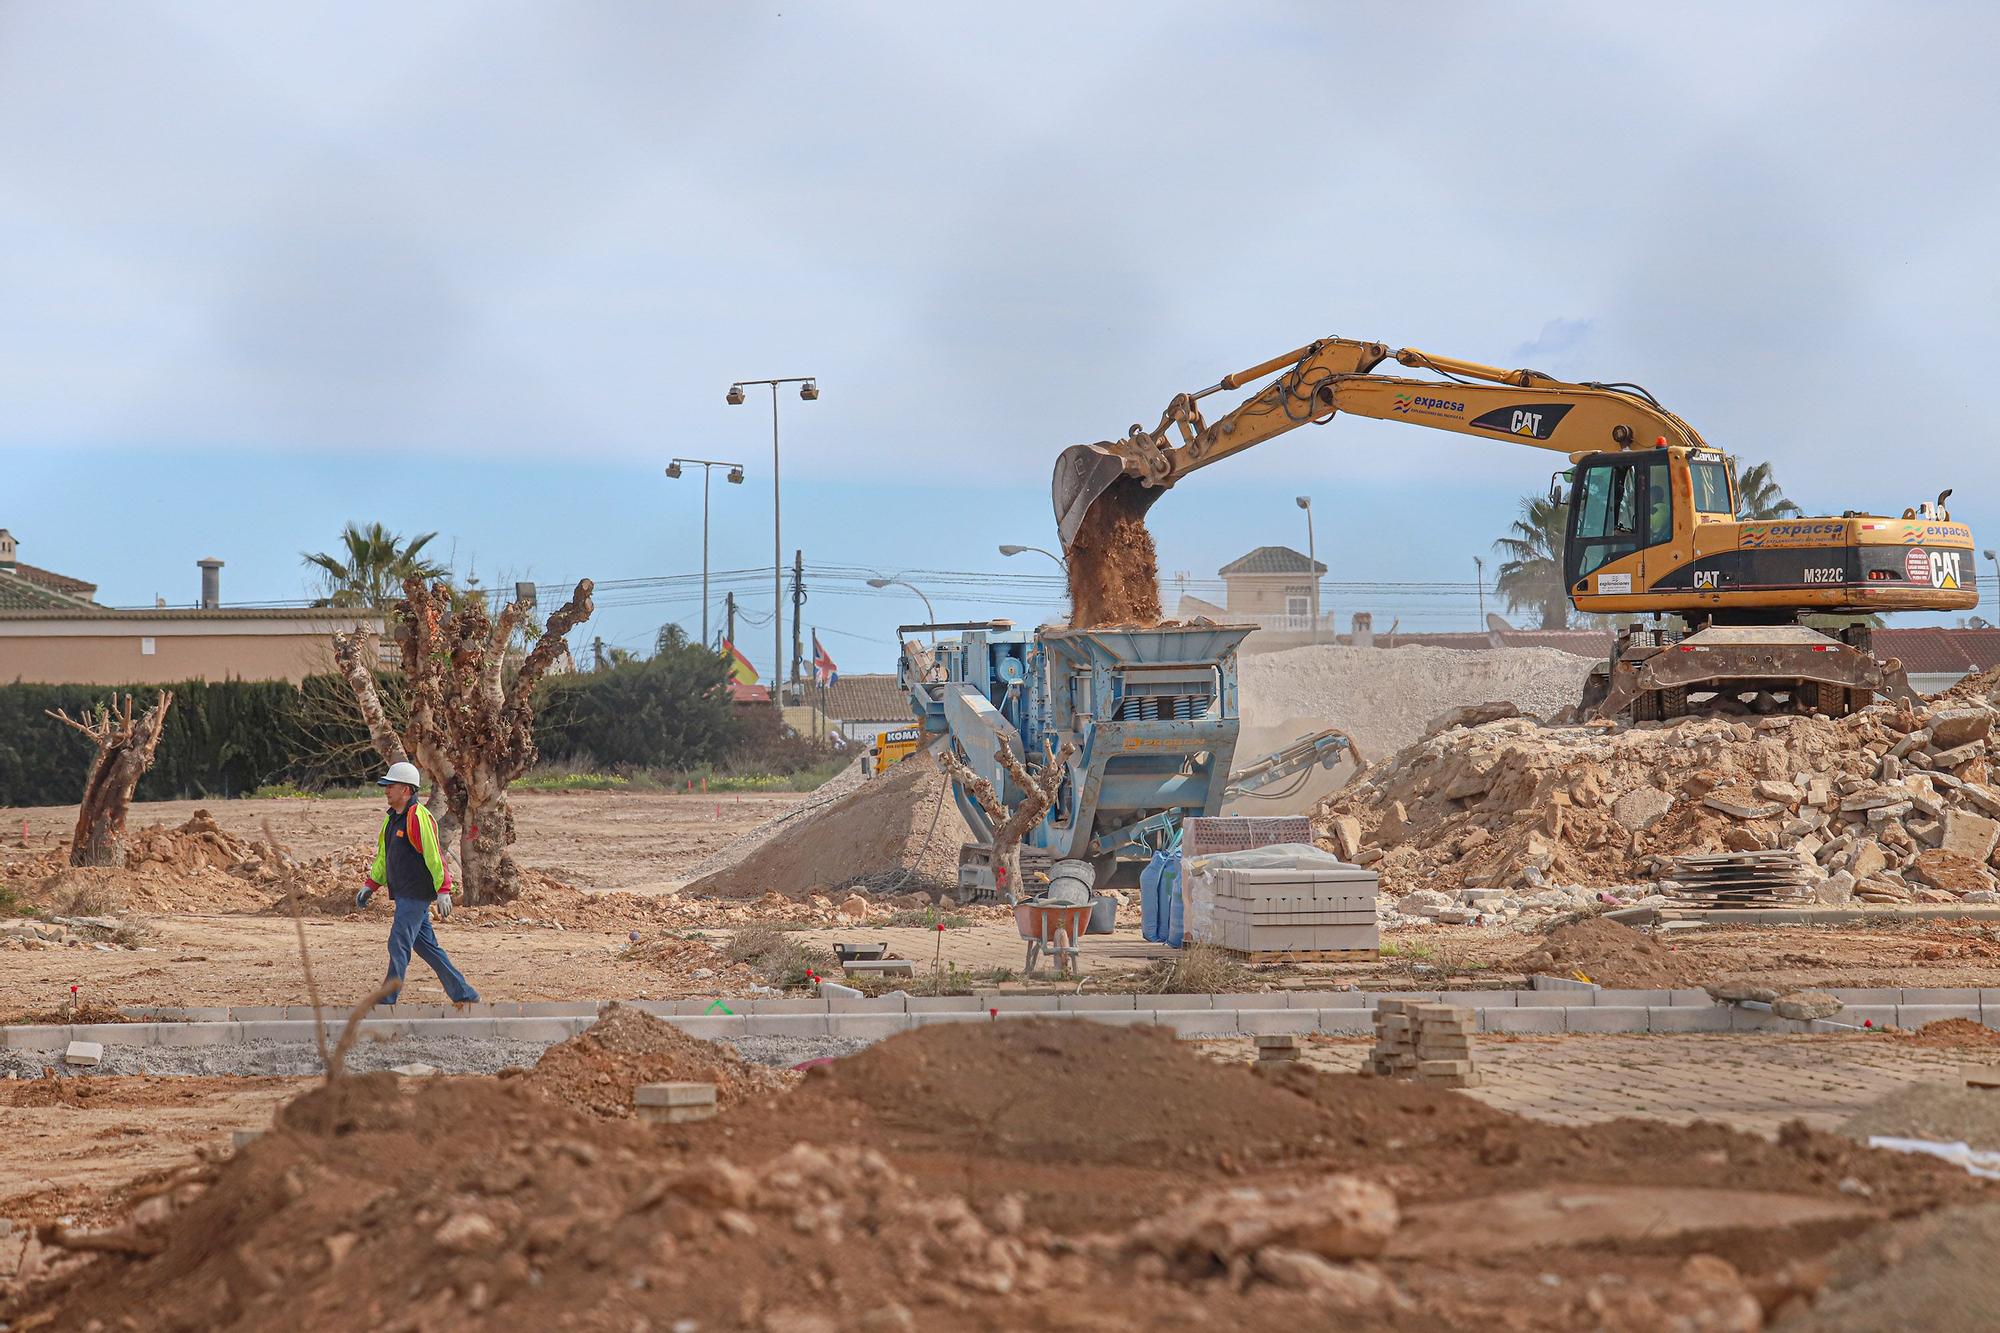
pixel 1318 913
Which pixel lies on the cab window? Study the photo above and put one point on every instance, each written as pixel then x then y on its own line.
pixel 1659 504
pixel 1607 518
pixel 1711 488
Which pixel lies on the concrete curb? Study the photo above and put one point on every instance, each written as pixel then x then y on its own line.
pixel 1333 1012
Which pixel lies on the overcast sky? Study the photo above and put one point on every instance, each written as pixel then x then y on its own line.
pixel 484 268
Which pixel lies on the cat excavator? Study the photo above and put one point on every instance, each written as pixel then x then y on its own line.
pixel 1652 527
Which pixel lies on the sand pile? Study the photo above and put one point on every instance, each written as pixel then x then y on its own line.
pixel 1114 572
pixel 597 1069
pixel 944 1180
pixel 733 852
pixel 1608 954
pixel 1873 802
pixel 1934 1272
pixel 896 833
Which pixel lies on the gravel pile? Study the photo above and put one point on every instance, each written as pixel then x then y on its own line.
pixel 733 851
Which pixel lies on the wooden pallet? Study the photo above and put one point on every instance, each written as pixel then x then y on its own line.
pixel 1304 955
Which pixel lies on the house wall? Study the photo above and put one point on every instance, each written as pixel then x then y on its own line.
pixel 113 654
pixel 1264 594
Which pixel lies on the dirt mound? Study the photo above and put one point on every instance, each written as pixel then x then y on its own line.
pixel 1955 1034
pixel 1608 954
pixel 998 1175
pixel 1076 1092
pixel 899 832
pixel 1515 806
pixel 1114 572
pixel 1934 1272
pixel 1942 1112
pixel 730 853
pixel 597 1069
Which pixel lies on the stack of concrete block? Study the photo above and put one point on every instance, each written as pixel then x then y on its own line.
pixel 674 1103
pixel 1277 1049
pixel 1428 1042
pixel 1282 911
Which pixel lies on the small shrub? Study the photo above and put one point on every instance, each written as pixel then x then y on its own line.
pixel 776 957
pixel 87 897
pixel 1198 969
pixel 927 918
pixel 11 904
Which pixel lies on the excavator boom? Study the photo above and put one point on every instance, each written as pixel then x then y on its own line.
pixel 1337 375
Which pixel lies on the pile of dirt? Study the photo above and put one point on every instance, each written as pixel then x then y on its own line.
pixel 896 833
pixel 1955 1034
pixel 597 1069
pixel 733 851
pixel 1933 1272
pixel 687 966
pixel 1000 1175
pixel 1114 571
pixel 1941 1112
pixel 1514 806
pixel 1608 954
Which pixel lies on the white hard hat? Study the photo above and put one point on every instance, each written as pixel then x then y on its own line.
pixel 405 773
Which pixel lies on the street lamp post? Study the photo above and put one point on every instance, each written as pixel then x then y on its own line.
pixel 1061 563
pixel 735 478
pixel 1312 561
pixel 809 391
pixel 1995 558
pixel 1479 575
pixel 899 581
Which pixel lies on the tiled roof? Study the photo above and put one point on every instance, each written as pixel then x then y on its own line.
pixel 20 591
pixel 1272 560
pixel 867 698
pixel 1936 651
pixel 58 582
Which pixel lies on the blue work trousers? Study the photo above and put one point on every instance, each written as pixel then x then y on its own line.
pixel 412 930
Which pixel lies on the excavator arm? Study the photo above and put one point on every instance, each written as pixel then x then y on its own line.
pixel 1337 375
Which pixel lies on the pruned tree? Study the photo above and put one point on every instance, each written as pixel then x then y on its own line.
pixel 1010 825
pixel 468 727
pixel 125 748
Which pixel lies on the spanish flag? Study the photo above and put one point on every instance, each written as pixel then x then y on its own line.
pixel 739 665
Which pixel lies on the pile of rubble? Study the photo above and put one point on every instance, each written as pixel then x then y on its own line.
pixel 1491 817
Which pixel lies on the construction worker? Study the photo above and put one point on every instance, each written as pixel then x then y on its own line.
pixel 410 860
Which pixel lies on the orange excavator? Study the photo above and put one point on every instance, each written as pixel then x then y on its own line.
pixel 1652 526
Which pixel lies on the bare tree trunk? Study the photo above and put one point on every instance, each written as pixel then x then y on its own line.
pixel 124 753
pixel 469 729
pixel 358 653
pixel 1010 826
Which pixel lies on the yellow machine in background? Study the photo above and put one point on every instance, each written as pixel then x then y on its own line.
pixel 890 748
pixel 1652 525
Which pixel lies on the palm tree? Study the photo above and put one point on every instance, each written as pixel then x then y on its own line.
pixel 1531 579
pixel 377 561
pixel 1758 495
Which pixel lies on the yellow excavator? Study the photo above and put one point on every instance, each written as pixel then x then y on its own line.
pixel 1652 526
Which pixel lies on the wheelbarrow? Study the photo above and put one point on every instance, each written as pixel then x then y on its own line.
pixel 1054 929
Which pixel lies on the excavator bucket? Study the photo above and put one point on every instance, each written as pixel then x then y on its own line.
pixel 1085 475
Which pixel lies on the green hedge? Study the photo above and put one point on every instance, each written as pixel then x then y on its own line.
pixel 670 711
pixel 222 738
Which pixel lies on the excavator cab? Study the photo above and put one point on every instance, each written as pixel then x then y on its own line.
pixel 1620 504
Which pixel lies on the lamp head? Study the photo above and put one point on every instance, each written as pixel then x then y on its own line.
pixel 736 476
pixel 1990 556
pixel 809 391
pixel 878 583
pixel 674 468
pixel 1303 501
pixel 1012 550
pixel 735 394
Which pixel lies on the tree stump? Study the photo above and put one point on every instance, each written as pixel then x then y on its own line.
pixel 124 753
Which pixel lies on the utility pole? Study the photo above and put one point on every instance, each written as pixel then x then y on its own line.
pixel 1479 572
pixel 729 617
pixel 597 654
pixel 798 601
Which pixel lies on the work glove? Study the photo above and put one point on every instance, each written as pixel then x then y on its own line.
pixel 362 895
pixel 444 904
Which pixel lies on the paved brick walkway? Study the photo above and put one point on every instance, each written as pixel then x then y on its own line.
pixel 1752 1082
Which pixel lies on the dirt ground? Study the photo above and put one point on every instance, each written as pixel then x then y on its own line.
pixel 945 1179
pixel 643 842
